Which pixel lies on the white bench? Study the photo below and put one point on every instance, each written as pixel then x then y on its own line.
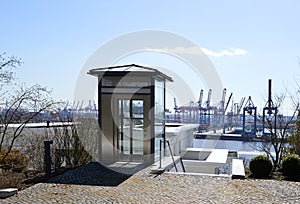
pixel 206 161
pixel 7 192
pixel 237 169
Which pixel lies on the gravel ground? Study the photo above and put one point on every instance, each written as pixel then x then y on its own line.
pixel 94 183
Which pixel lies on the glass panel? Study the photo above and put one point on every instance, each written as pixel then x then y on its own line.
pixel 126 81
pixel 138 126
pixel 131 126
pixel 137 135
pixel 126 110
pixel 132 83
pixel 126 141
pixel 137 109
pixel 159 113
pixel 124 126
pixel 107 82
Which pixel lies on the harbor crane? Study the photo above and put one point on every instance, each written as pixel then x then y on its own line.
pixel 227 104
pixel 200 99
pixel 223 100
pixel 224 111
pixel 208 99
pixel 249 112
pixel 234 116
pixel 80 106
pixel 237 110
pixel 219 115
pixel 205 111
pixel 240 105
pixel 177 111
pixel 176 108
pixel 269 111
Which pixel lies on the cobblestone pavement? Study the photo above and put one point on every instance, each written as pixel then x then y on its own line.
pixel 94 184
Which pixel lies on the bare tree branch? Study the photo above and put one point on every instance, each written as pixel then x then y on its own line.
pixel 7 64
pixel 23 107
pixel 276 140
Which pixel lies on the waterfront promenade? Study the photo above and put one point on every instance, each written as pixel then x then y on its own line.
pixel 93 183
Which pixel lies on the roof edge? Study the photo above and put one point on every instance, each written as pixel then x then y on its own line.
pixel 96 71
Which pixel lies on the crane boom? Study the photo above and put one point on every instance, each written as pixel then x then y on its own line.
pixel 228 102
pixel 200 98
pixel 175 106
pixel 208 98
pixel 224 95
pixel 80 107
pixel 239 108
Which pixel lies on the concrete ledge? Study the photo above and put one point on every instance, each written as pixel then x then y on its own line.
pixel 203 160
pixel 200 174
pixel 196 154
pixel 218 156
pixel 7 192
pixel 238 169
pixel 166 164
pixel 196 166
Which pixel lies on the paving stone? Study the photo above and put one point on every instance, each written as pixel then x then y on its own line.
pixel 95 184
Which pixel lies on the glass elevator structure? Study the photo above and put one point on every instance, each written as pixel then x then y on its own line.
pixel 131 104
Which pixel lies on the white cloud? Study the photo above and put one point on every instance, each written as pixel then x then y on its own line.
pixel 197 51
pixel 221 53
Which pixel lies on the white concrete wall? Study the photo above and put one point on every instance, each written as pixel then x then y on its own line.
pixel 180 137
pixel 206 161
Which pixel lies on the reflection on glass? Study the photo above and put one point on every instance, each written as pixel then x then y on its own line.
pixel 159 113
pixel 137 108
pixel 131 126
pixel 127 81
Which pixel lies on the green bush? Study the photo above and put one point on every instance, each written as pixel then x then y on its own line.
pixel 260 166
pixel 291 166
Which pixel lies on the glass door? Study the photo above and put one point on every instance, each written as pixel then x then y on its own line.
pixel 124 126
pixel 130 128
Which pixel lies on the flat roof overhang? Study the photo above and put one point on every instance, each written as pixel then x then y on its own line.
pixel 133 69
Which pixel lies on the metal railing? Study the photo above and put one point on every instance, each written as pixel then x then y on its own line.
pixel 171 154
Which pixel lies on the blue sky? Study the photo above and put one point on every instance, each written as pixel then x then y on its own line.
pixel 259 39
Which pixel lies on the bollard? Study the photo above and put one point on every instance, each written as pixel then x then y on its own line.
pixel 47 144
pixel 160 153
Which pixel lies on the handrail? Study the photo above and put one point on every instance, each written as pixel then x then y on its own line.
pixel 172 155
pixel 183 169
pixel 160 151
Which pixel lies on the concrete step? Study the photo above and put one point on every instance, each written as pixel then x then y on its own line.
pixel 238 169
pixel 7 192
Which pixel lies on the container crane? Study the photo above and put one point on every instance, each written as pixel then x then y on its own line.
pixel 225 109
pixel 200 99
pixel 269 111
pixel 227 104
pixel 208 99
pixel 237 110
pixel 80 107
pixel 249 111
pixel 240 105
pixel 75 107
pixel 219 115
pixel 177 111
pixel 176 108
pixel 223 100
pixel 230 114
pixel 95 109
pixel 204 121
